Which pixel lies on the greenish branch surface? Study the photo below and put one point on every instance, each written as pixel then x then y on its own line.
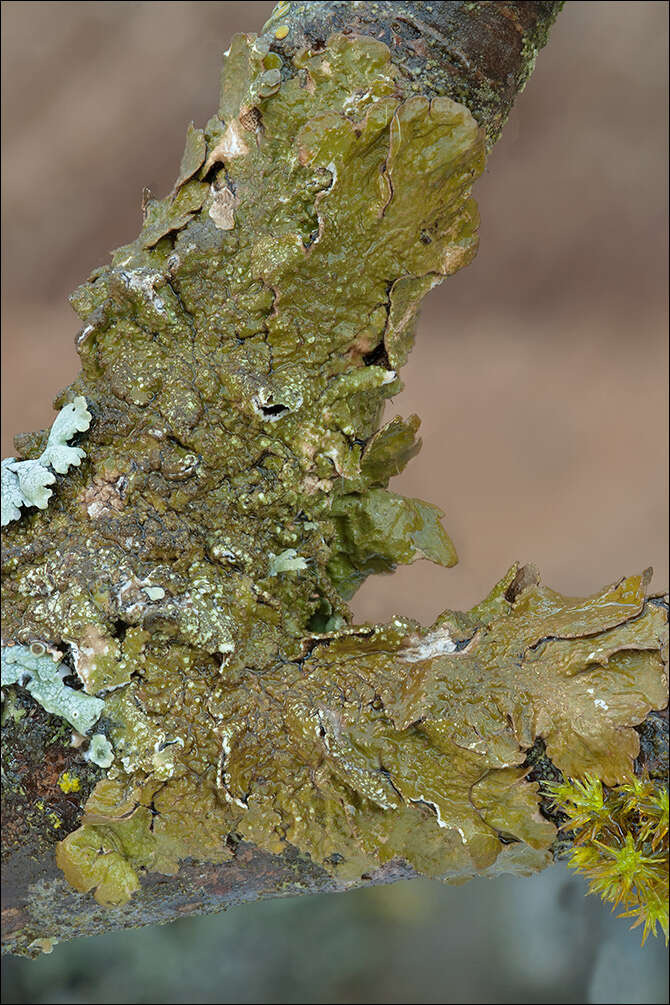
pixel 193 572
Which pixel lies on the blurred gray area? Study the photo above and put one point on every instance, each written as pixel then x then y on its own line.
pixel 507 940
pixel 540 377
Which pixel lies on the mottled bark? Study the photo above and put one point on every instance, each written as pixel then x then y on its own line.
pixel 195 438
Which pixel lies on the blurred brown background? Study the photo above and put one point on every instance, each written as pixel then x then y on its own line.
pixel 539 372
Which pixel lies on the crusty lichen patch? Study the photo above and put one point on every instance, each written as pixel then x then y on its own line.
pixel 237 357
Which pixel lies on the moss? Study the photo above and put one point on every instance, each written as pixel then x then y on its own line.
pixel 621 844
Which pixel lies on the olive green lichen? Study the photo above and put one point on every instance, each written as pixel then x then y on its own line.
pixel 480 54
pixel 397 742
pixel 237 357
pixel 378 529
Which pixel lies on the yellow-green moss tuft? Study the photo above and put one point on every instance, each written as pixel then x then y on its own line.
pixel 621 844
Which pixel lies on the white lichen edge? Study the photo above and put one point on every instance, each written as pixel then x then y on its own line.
pixel 24 483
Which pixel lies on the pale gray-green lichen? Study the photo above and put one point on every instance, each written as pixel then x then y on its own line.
pixel 24 483
pixel 41 673
pixel 287 561
pixel 100 751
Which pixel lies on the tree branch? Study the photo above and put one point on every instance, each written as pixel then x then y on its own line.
pixel 192 571
pixel 480 54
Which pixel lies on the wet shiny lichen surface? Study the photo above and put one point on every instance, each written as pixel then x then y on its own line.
pixel 194 572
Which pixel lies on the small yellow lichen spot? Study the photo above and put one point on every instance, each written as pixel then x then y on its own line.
pixel 282 31
pixel 68 782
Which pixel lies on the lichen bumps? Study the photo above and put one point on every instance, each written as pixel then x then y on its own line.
pixel 236 358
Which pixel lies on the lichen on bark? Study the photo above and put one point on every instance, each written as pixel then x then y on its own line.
pixel 194 572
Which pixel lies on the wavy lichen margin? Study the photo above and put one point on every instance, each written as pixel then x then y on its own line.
pixel 41 672
pixel 395 742
pixel 24 483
